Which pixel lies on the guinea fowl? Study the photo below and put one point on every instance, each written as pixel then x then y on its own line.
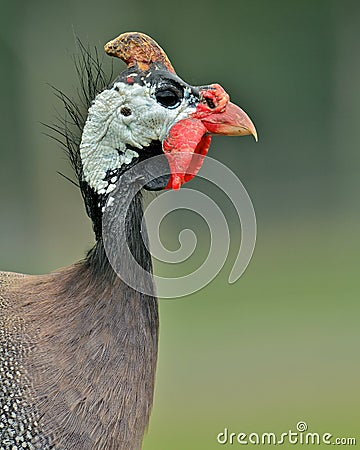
pixel 78 347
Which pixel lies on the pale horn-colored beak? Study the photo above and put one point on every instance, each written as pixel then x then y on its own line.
pixel 233 121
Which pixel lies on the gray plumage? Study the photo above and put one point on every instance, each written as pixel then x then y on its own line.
pixel 81 377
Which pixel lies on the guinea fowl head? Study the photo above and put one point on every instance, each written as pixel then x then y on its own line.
pixel 148 111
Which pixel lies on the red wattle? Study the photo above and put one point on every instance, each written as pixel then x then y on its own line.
pixel 184 139
pixel 198 157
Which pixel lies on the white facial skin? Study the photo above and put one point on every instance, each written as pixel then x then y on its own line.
pixel 124 114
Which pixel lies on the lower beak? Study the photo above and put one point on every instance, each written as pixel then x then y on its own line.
pixel 233 121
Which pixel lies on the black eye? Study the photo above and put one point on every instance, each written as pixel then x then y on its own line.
pixel 169 98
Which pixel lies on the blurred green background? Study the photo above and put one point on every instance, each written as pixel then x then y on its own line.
pixel 282 344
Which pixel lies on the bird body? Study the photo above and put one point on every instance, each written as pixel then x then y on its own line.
pixel 92 329
pixel 79 345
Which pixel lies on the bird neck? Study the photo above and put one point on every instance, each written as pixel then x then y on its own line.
pixel 94 367
pixel 129 319
pixel 96 202
pixel 123 245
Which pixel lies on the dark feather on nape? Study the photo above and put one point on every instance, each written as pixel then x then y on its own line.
pixel 69 179
pixel 92 79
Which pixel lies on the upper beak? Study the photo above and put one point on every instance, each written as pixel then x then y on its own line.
pixel 233 121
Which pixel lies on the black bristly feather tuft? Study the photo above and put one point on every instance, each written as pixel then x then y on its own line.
pixel 68 129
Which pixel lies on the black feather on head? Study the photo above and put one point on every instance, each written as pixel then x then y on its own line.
pixel 92 79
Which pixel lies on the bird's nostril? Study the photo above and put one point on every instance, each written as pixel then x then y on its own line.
pixel 209 99
pixel 210 103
